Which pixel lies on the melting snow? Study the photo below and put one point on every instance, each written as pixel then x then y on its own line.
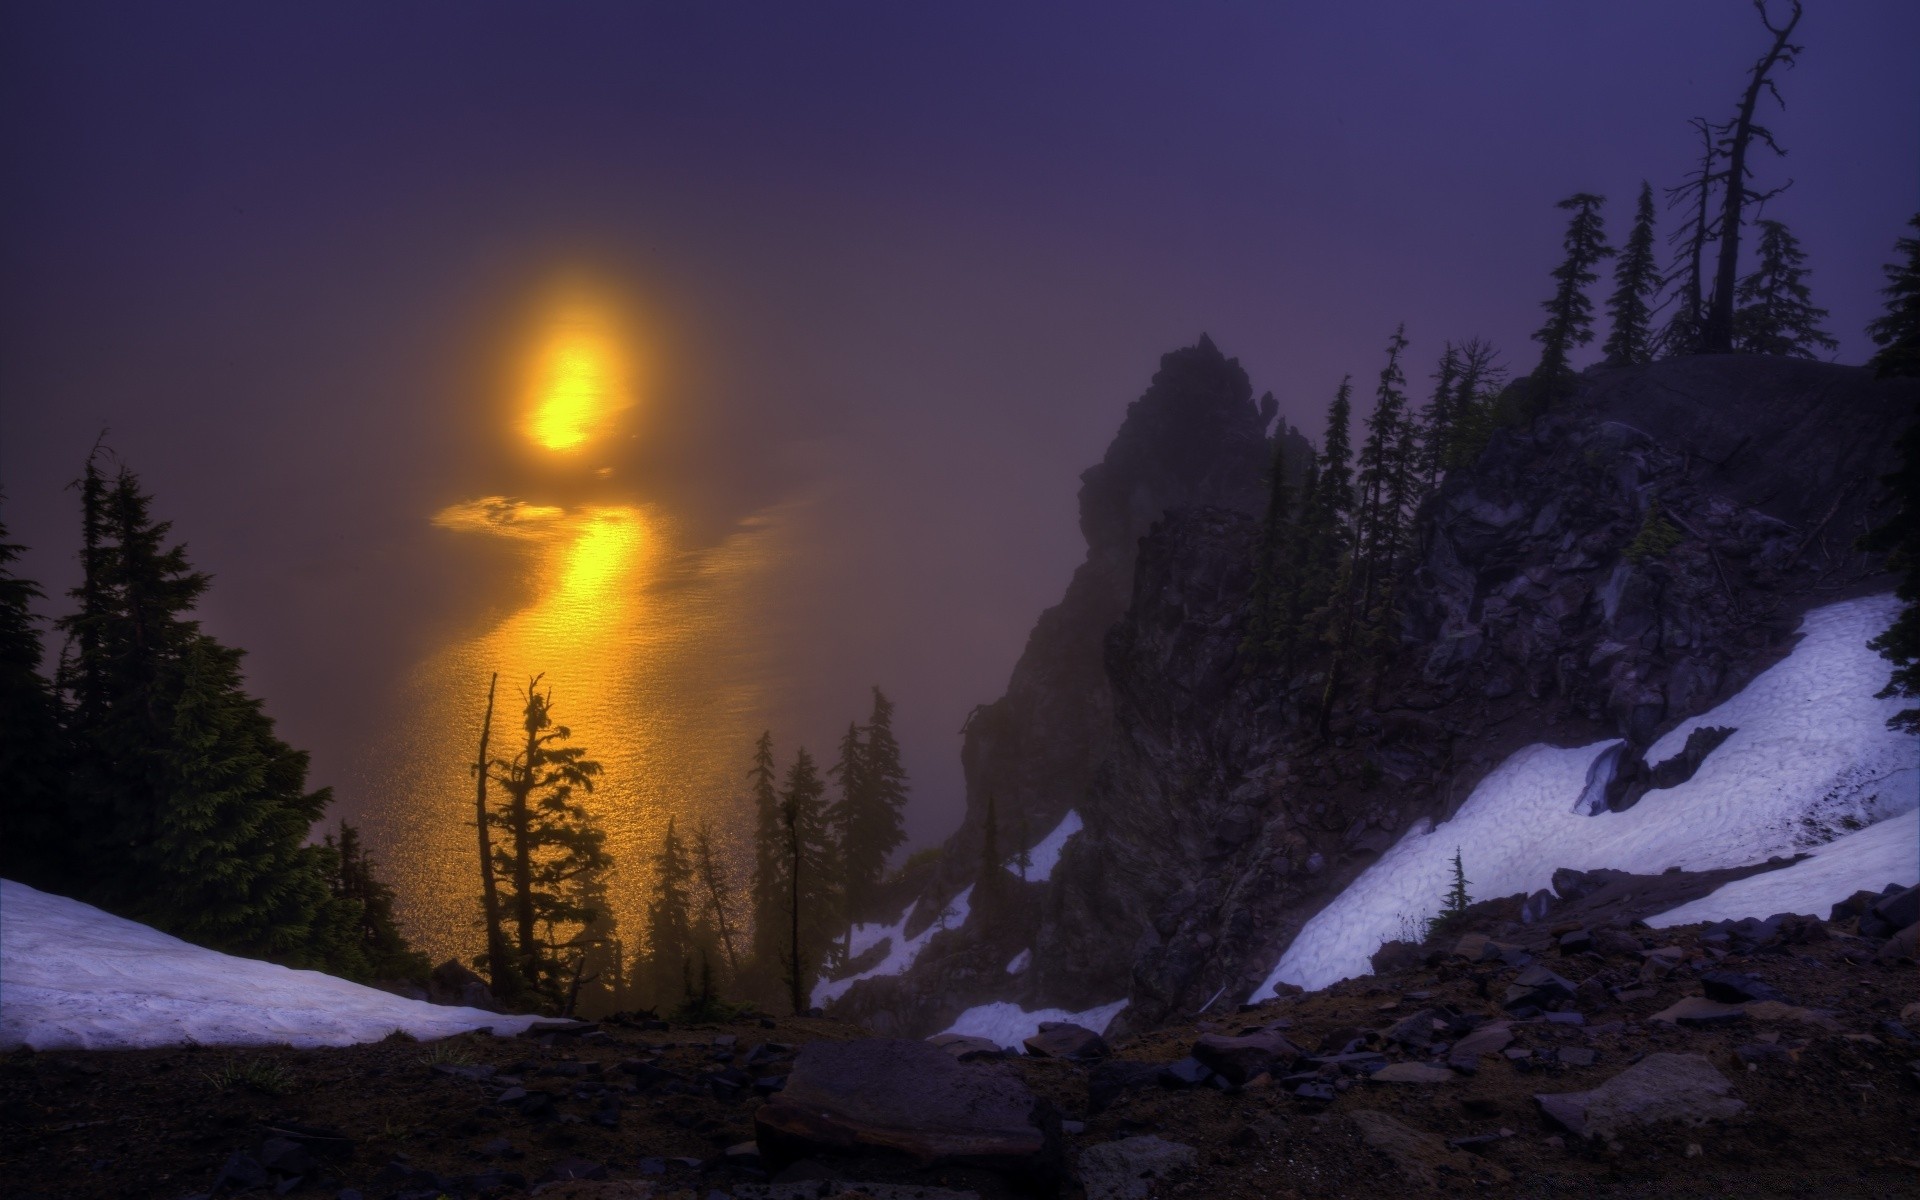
pixel 1020 962
pixel 1871 859
pixel 1045 855
pixel 1005 1023
pixel 1811 758
pixel 73 976
pixel 901 953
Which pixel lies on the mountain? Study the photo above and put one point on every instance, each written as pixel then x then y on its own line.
pixel 1210 820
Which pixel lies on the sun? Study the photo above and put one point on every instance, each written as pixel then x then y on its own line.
pixel 579 382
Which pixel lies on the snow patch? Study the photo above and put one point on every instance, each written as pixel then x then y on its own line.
pixel 72 976
pixel 1045 855
pixel 1871 859
pixel 1005 1023
pixel 1020 962
pixel 1811 758
pixel 903 951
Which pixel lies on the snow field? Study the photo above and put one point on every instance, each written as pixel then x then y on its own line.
pixel 1045 855
pixel 1005 1023
pixel 1869 859
pixel 903 951
pixel 1811 758
pixel 72 976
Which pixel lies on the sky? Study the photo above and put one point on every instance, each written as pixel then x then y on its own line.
pixel 890 274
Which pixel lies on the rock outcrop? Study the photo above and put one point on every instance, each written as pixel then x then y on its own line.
pixel 1621 564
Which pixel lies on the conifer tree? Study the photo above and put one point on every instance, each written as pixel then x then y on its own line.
pixel 810 900
pixel 551 848
pixel 1382 489
pixel 768 898
pixel 1481 378
pixel 1777 314
pixel 1684 330
pixel 38 833
pixel 1897 331
pixel 1271 601
pixel 1570 312
pixel 717 899
pixel 1636 281
pixel 1437 421
pixel 867 816
pixel 670 942
pixel 1736 140
pixel 381 946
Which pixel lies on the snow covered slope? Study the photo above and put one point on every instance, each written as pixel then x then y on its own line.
pixel 1810 759
pixel 73 976
pixel 1869 859
pixel 1007 1024
pixel 902 951
pixel 1045 855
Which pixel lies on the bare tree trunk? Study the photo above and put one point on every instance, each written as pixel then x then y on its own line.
pixel 1718 335
pixel 522 821
pixel 498 969
pixel 716 893
pixel 793 913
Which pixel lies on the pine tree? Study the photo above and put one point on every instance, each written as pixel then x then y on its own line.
pixel 1684 330
pixel 768 899
pixel 867 816
pixel 1777 314
pixel 1736 139
pixel 1382 487
pixel 1897 331
pixel 1481 379
pixel 1438 420
pixel 810 899
pixel 551 850
pixel 718 899
pixel 377 938
pixel 1272 599
pixel 39 847
pixel 670 941
pixel 1570 313
pixel 1636 281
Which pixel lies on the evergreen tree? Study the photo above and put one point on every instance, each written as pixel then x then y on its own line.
pixel 1272 599
pixel 1570 313
pixel 768 899
pixel 1636 281
pixel 1438 420
pixel 670 941
pixel 717 900
pixel 810 899
pixel 551 851
pixel 1382 487
pixel 1481 379
pixel 867 817
pixel 1777 314
pixel 381 946
pixel 1897 331
pixel 1684 330
pixel 39 846
pixel 1736 139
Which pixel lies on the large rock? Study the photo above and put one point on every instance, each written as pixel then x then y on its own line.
pixel 877 1095
pixel 1064 1039
pixel 1421 1157
pixel 1659 1088
pixel 1239 1059
pixel 1130 1168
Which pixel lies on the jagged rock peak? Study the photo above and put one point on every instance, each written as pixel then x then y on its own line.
pixel 1194 437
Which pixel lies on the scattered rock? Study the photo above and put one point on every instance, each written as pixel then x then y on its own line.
pixel 1660 1087
pixel 1730 987
pixel 1700 1011
pixel 1421 1157
pixel 1185 1073
pixel 1241 1058
pixel 911 1097
pixel 1410 1072
pixel 1111 1079
pixel 1128 1169
pixel 1064 1039
pixel 1537 987
pixel 966 1048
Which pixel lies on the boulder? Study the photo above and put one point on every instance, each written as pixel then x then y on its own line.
pixel 879 1095
pixel 1537 987
pixel 1488 1039
pixel 1659 1088
pixel 1064 1039
pixel 1731 987
pixel 1239 1059
pixel 1411 1072
pixel 1700 1011
pixel 1905 944
pixel 1900 909
pixel 1129 1168
pixel 1421 1157
pixel 965 1047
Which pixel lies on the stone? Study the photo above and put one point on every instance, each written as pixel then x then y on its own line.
pixel 1576 942
pixel 1488 1039
pixel 1410 1072
pixel 1064 1039
pixel 1109 1080
pixel 1774 1010
pixel 1900 909
pixel 1905 944
pixel 1185 1073
pixel 1416 1030
pixel 1731 987
pixel 1659 1088
pixel 1700 1011
pixel 1574 1056
pixel 1537 987
pixel 1128 1169
pixel 241 1172
pixel 1239 1059
pixel 1615 943
pixel 1421 1157
pixel 966 1048
pixel 880 1095
pixel 1475 947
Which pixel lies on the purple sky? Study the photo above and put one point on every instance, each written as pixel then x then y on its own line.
pixel 910 260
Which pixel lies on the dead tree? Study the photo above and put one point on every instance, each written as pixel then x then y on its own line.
pixel 718 894
pixel 1736 138
pixel 1682 332
pixel 500 973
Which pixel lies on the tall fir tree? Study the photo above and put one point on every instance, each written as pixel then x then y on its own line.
pixel 717 897
pixel 1636 283
pixel 811 902
pixel 1271 601
pixel 40 833
pixel 769 884
pixel 382 948
pixel 1569 322
pixel 551 850
pixel 670 940
pixel 1438 418
pixel 1777 314
pixel 1481 379
pixel 1897 333
pixel 1382 488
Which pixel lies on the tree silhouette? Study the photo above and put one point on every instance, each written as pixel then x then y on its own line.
pixel 1569 312
pixel 1777 314
pixel 1636 281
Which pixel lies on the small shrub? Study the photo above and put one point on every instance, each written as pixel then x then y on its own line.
pixel 1453 906
pixel 254 1074
pixel 448 1052
pixel 1656 538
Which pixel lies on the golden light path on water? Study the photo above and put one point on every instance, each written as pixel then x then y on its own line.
pixel 655 661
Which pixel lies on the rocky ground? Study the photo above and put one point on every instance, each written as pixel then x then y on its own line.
pixel 1757 1059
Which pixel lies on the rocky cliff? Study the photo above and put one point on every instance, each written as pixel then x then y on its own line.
pixel 1620 565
